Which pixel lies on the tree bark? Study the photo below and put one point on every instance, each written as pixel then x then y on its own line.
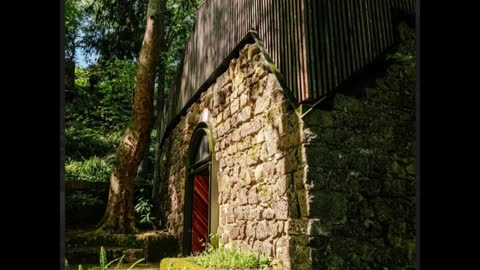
pixel 159 109
pixel 119 216
pixel 160 98
pixel 156 169
pixel 145 165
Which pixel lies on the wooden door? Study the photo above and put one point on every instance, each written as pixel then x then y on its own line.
pixel 200 213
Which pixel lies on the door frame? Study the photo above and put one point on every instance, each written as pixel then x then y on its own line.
pixel 207 163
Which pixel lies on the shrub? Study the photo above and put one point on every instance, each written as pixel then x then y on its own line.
pixel 86 142
pixel 93 169
pixel 80 199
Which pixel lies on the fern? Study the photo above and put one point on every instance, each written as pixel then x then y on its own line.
pixel 103 258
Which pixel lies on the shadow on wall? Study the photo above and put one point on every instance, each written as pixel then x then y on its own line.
pixel 360 174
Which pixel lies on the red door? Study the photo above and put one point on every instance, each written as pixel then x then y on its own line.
pixel 200 213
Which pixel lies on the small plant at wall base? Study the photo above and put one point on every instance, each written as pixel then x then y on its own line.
pixel 213 241
pixel 230 258
pixel 143 208
pixel 104 265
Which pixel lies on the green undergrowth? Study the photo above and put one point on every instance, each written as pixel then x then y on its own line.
pixel 105 264
pixel 93 169
pixel 230 258
pixel 88 142
pixel 79 199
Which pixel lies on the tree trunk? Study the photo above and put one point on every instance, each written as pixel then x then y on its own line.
pixel 160 98
pixel 145 165
pixel 156 171
pixel 119 216
pixel 159 109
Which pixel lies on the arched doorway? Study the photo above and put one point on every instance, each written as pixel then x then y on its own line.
pixel 201 193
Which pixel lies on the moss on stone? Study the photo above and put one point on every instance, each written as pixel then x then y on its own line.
pixel 101 238
pixel 159 246
pixel 398 170
pixel 179 264
pixel 320 118
pixel 411 169
pixel 85 247
pixel 335 263
pixel 329 205
pixel 368 157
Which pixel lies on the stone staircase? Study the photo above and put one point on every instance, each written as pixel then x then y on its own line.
pixel 84 247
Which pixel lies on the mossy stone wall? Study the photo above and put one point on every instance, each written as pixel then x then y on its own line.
pixel 361 173
pixel 332 190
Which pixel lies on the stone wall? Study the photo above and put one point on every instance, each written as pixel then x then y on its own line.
pixel 255 134
pixel 360 174
pixel 332 190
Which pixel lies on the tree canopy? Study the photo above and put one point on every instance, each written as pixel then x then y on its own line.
pixel 100 100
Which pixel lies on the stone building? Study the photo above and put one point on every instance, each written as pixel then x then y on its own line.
pixel 320 175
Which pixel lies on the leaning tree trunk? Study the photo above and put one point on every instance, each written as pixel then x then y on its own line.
pixel 160 98
pixel 119 216
pixel 156 168
pixel 146 164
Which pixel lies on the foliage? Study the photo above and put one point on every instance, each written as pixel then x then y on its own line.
pixel 99 107
pixel 95 118
pixel 230 258
pixel 404 60
pixel 73 19
pixel 104 96
pixel 93 169
pixel 143 208
pixel 405 53
pixel 117 77
pixel 104 264
pixel 401 57
pixel 179 23
pixel 89 142
pixel 80 199
pixel 114 29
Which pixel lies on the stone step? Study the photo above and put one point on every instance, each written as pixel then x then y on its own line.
pixel 91 255
pixel 92 239
pixel 153 246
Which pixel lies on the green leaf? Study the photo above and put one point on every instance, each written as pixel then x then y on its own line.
pixel 117 259
pixel 137 262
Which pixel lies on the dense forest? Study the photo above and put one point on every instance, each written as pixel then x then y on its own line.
pixel 103 40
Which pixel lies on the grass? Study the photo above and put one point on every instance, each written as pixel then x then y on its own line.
pixel 230 258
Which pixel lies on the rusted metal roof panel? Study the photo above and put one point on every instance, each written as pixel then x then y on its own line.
pixel 316 44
